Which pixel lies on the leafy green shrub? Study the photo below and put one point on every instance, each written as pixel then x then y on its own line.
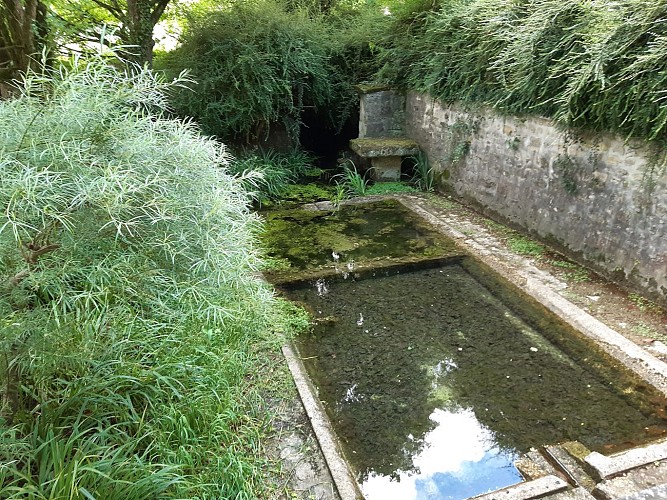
pixel 128 303
pixel 255 65
pixel 260 64
pixel 596 65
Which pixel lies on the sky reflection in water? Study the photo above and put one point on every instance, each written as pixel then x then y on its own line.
pixel 459 459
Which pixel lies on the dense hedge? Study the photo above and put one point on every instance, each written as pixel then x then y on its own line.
pixel 599 65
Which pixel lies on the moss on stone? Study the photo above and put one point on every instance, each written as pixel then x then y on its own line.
pixel 374 147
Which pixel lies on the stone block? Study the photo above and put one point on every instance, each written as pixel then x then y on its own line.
pixel 528 490
pixel 376 147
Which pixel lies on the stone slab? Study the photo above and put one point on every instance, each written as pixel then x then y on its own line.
pixel 655 493
pixel 570 467
pixel 345 483
pixel 375 147
pixel 573 494
pixel 531 469
pixel 645 480
pixel 607 466
pixel 528 490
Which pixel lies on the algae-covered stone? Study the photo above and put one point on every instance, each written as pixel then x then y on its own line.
pixel 375 147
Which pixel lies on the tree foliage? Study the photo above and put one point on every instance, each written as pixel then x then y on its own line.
pixel 131 23
pixel 127 297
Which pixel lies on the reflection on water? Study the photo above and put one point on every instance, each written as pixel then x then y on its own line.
pixel 459 459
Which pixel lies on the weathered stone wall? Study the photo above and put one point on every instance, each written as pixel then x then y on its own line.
pixel 591 196
pixel 381 114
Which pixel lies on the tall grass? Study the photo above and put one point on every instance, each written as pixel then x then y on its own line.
pixel 598 65
pixel 267 173
pixel 130 314
pixel 352 181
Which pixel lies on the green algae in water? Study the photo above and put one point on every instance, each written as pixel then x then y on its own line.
pixel 435 386
pixel 308 240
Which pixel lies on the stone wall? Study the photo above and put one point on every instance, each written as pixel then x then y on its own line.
pixel 592 197
pixel 381 113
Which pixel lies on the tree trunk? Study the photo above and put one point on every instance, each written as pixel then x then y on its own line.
pixel 140 28
pixel 142 16
pixel 17 38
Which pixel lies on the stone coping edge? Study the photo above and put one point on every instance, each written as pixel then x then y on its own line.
pixel 648 367
pixel 527 490
pixel 607 466
pixel 343 479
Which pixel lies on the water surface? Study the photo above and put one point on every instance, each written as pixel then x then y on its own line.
pixel 435 385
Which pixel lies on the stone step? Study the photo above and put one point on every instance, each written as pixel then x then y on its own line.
pixel 569 465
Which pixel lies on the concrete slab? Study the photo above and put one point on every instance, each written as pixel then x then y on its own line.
pixel 607 466
pixel 528 490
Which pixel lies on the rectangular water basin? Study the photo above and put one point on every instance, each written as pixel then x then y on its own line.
pixel 437 374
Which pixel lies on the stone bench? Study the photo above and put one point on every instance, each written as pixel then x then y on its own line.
pixel 385 154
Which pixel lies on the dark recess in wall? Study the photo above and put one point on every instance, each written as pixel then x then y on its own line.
pixel 319 138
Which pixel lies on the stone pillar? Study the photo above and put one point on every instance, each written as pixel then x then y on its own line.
pixel 386 168
pixel 381 111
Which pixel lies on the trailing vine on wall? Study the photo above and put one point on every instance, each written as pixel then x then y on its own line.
pixel 459 138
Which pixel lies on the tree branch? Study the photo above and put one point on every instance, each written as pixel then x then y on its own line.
pixel 113 9
pixel 33 253
pixel 160 6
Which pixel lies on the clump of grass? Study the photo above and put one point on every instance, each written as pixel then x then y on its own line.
pixel 354 183
pixel 525 246
pixel 424 176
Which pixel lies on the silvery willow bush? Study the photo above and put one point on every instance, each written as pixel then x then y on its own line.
pixel 128 306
